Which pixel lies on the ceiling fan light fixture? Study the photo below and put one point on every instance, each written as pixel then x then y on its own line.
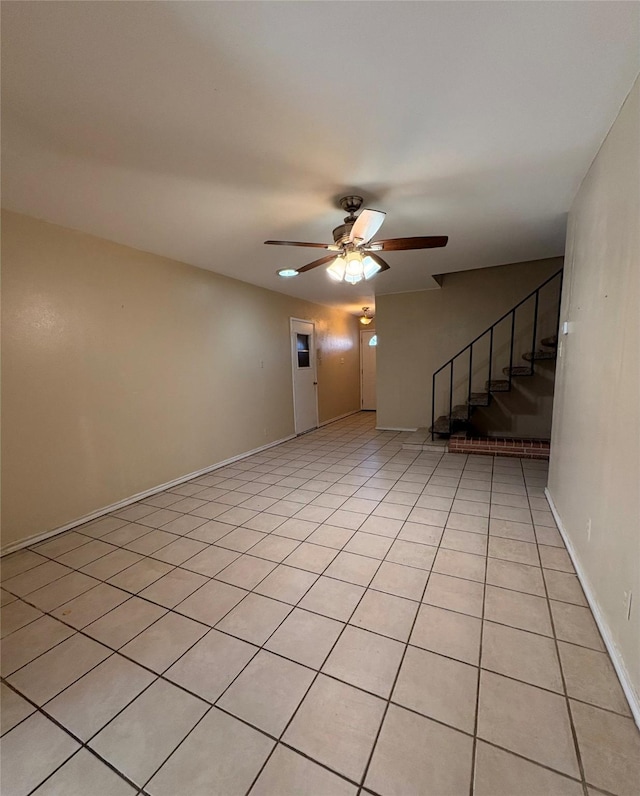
pixel 354 243
pixel 365 319
pixel 337 268
pixel 370 267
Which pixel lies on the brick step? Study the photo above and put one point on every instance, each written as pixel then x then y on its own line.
pixel 497 385
pixel 536 355
pixel 500 446
pixel 550 342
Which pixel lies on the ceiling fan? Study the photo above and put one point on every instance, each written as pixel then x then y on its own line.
pixel 354 252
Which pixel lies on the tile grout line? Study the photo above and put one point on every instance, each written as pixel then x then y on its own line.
pixel 480 650
pixel 574 734
pixel 67 731
pixel 277 563
pixel 404 653
pixel 209 627
pixel 38 709
pixel 244 721
pixel 176 606
pixel 315 678
pixel 258 650
pixel 181 566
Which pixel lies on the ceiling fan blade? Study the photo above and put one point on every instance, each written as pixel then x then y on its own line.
pixel 316 263
pixel 366 225
pixel 383 265
pixel 297 243
pixel 404 244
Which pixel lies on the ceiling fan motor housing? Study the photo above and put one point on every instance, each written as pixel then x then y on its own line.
pixel 341 233
pixel 350 204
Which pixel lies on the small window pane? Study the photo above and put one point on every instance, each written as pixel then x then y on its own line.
pixel 302 346
pixel 374 340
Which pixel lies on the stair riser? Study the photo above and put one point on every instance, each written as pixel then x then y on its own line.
pixel 498 385
pixel 517 370
pixel 539 356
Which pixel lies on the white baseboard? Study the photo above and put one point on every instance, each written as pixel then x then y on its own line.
pixel 40 537
pixel 614 653
pixel 391 428
pixel 339 417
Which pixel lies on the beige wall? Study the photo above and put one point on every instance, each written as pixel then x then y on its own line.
pixel 419 332
pixel 595 454
pixel 123 370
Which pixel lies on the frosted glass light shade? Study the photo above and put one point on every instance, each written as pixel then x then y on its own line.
pixel 370 267
pixel 353 271
pixel 353 268
pixel 337 268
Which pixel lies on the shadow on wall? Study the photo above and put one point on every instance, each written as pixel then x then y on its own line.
pixel 525 411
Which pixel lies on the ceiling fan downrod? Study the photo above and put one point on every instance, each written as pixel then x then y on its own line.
pixel 351 205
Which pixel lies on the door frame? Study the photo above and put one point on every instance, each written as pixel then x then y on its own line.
pixel 362 333
pixel 314 367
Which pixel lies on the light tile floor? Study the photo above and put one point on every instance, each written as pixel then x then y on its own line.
pixel 335 615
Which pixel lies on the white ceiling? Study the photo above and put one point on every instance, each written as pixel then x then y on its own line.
pixel 197 130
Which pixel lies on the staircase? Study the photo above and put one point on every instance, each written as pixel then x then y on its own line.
pixel 474 365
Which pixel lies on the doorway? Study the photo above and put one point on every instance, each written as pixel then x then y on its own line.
pixel 368 343
pixel 305 382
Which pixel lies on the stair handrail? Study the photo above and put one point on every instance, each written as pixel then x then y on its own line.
pixel 489 330
pixel 500 319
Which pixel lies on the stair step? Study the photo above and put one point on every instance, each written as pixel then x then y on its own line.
pixel 479 399
pixel 531 355
pixel 460 412
pixel 517 370
pixel 497 385
pixel 550 342
pixel 441 426
pixel 459 420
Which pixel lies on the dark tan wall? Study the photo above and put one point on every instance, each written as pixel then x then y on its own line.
pixel 122 370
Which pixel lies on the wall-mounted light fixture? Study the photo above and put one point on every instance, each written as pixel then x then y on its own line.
pixel 365 318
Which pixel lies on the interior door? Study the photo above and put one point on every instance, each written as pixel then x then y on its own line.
pixel 368 343
pixel 305 383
